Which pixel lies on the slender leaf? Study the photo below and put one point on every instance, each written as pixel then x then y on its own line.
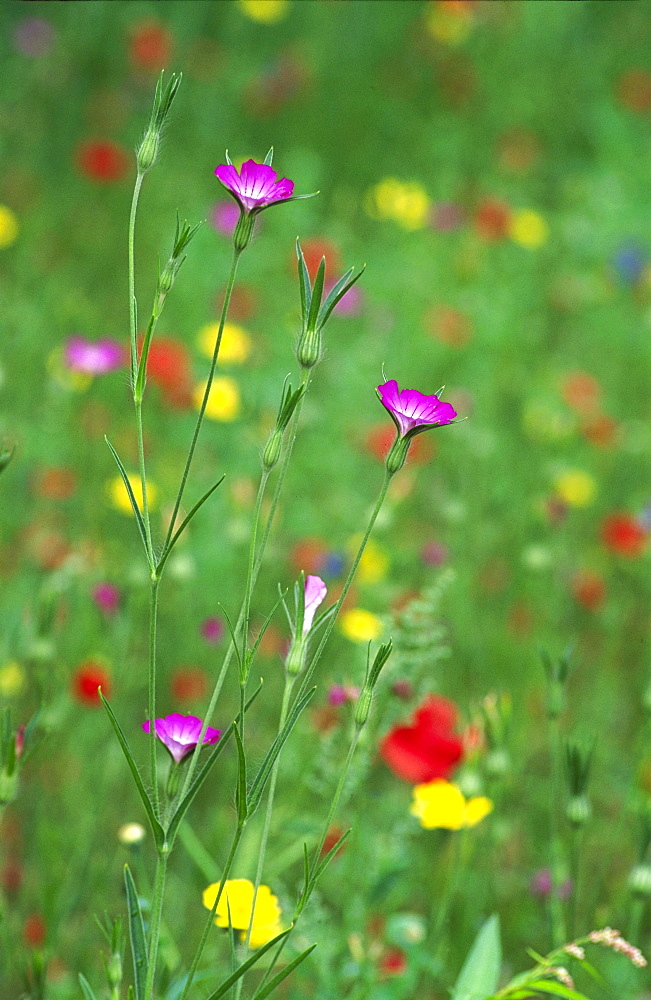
pixel 86 987
pixel 157 829
pixel 264 773
pixel 202 774
pixel 240 793
pixel 327 858
pixel 186 520
pixel 269 158
pixel 480 973
pixel 340 289
pixel 555 989
pixel 265 624
pixel 134 505
pixel 240 662
pixel 277 980
pixel 226 985
pixel 304 283
pixel 136 935
pixel 317 292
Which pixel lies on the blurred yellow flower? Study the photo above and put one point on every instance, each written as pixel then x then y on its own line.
pixel 576 488
pixel 374 563
pixel 235 347
pixel 265 11
pixel 223 401
pixel 237 901
pixel 12 679
pixel 9 227
pixel 405 203
pixel 120 498
pixel 441 804
pixel 528 228
pixel 449 23
pixel 361 626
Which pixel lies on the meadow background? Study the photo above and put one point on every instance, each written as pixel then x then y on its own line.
pixel 490 164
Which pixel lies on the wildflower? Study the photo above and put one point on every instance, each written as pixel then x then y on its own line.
pixel 449 22
pixel 34 931
pixel 634 90
pixel 86 682
pixel 310 554
pixel 541 885
pixel 588 589
pixel 255 187
pixel 314 592
pixel 131 833
pixel 405 203
pixel 379 441
pixel 528 228
pixel 265 11
pixel 576 488
pixel 623 535
pixel 434 554
pixel 492 219
pixel 374 564
pixel 223 401
pixel 107 597
pixel 9 227
pixel 339 694
pixel 212 629
pixel 581 392
pixel 359 625
pixel 446 216
pixel 151 46
pixel 575 950
pixel 12 679
pixel 188 684
pixel 93 357
pixel 439 804
pixel 235 346
pixel 393 962
pixel 412 412
pixel 332 837
pixel 450 326
pixel 55 483
pixel 613 939
pixel 180 734
pixel 120 498
pixel 224 217
pixel 169 367
pixel 236 905
pixel 428 748
pixel 349 304
pixel 105 162
pixel 313 250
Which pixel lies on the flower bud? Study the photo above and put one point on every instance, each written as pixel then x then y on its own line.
pixel 363 706
pixel 148 150
pixel 243 231
pixel 167 277
pixel 295 662
pixel 114 970
pixel 397 455
pixel 578 810
pixel 272 449
pixel 308 352
pixel 639 880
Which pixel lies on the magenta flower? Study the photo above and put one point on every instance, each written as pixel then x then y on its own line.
pixel 106 597
pixel 255 187
pixel 413 412
pixel 224 217
pixel 180 734
pixel 93 357
pixel 212 629
pixel 315 591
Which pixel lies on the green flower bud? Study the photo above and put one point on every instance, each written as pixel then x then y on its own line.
pixel 397 455
pixel 167 277
pixel 148 151
pixel 309 348
pixel 578 810
pixel 295 662
pixel 243 231
pixel 272 449
pixel 114 970
pixel 363 706
pixel 639 880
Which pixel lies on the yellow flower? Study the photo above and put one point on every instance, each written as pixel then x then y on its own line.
pixel 237 900
pixel 441 804
pixel 235 347
pixel 576 488
pixel 374 563
pixel 120 498
pixel 528 228
pixel 405 203
pixel 360 625
pixel 12 679
pixel 9 227
pixel 223 401
pixel 265 11
pixel 449 24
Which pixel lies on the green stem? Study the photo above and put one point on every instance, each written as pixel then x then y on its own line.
pixel 557 917
pixel 143 485
pixel 153 621
pixel 211 916
pixel 204 401
pixel 155 923
pixel 132 280
pixel 250 578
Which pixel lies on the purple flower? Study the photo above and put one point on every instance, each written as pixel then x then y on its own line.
pixel 180 734
pixel 93 357
pixel 315 591
pixel 339 694
pixel 350 304
pixel 212 629
pixel 411 411
pixel 224 217
pixel 106 597
pixel 255 187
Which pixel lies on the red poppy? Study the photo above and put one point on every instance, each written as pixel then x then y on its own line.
pixel 428 748
pixel 492 219
pixel 393 962
pixel 104 162
pixel 623 535
pixel 87 679
pixel 34 931
pixel 188 684
pixel 151 46
pixel 168 367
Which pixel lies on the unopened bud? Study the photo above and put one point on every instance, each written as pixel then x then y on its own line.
pixel 114 970
pixel 397 455
pixel 167 277
pixel 578 810
pixel 308 353
pixel 148 151
pixel 639 880
pixel 363 706
pixel 272 449
pixel 243 231
pixel 295 662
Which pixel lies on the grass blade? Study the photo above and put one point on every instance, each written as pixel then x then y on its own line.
pixel 136 935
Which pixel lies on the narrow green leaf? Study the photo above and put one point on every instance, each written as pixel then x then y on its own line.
pixel 327 858
pixel 317 293
pixel 240 792
pixel 343 285
pixel 269 158
pixel 86 987
pixel 157 829
pixel 277 980
pixel 264 773
pixel 202 774
pixel 186 520
pixel 134 505
pixel 239 972
pixel 266 624
pixel 136 935
pixel 480 973
pixel 240 662
pixel 304 283
pixel 555 989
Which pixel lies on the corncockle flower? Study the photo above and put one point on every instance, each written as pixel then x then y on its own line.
pixel 93 357
pixel 212 629
pixel 180 734
pixel 107 597
pixel 314 593
pixel 256 187
pixel 412 412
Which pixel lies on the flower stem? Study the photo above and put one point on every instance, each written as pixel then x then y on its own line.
pixel 250 577
pixel 153 620
pixel 132 280
pixel 204 401
pixel 155 923
pixel 557 917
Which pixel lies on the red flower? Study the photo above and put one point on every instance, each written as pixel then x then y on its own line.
pixel 168 366
pixel 87 679
pixel 588 589
pixel 380 438
pixel 492 219
pixel 34 931
pixel 151 46
pixel 623 535
pixel 188 684
pixel 428 748
pixel 313 250
pixel 105 162
pixel 393 962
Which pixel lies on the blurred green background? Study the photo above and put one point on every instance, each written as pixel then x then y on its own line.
pixel 489 163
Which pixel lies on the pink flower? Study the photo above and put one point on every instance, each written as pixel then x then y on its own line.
pixel 413 412
pixel 212 629
pixel 224 217
pixel 106 597
pixel 180 734
pixel 315 592
pixel 93 357
pixel 256 186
